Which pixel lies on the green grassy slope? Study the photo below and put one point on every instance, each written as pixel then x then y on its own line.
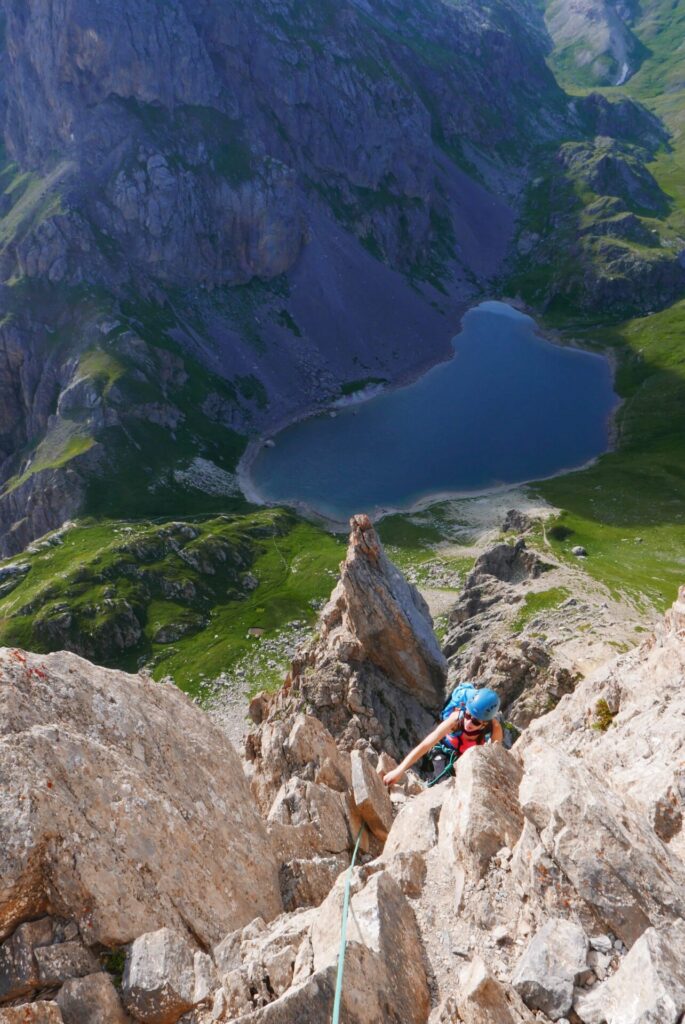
pixel 629 509
pixel 177 596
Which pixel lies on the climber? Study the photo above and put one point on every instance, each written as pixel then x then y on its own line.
pixel 470 723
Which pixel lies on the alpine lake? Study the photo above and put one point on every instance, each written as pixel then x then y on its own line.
pixel 508 407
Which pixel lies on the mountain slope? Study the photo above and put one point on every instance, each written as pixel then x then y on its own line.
pixel 214 216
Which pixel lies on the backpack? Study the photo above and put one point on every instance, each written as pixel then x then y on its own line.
pixel 458 700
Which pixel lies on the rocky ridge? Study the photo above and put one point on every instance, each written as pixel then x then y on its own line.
pixel 541 884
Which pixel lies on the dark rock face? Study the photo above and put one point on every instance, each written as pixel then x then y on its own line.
pixel 192 135
pixel 278 197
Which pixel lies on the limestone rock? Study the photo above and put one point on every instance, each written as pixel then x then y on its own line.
pixel 294 744
pixel 369 677
pixel 257 964
pixel 371 796
pixel 118 832
pixel 311 1002
pixel 382 921
pixel 648 987
pixel 607 851
pixel 546 973
pixel 647 708
pixel 65 960
pixel 306 881
pixel 159 978
pixel 415 829
pixel 32 1013
pixel 91 1000
pixel 301 803
pixel 481 813
pixel 374 613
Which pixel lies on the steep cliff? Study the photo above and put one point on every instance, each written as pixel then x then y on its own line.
pixel 212 215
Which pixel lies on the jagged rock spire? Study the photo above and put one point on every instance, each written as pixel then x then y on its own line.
pixel 374 614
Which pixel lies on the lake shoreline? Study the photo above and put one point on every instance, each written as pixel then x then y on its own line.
pixel 340 403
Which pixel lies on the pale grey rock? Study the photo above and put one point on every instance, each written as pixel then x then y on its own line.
pixel 415 829
pixel 64 960
pixel 122 844
pixel 647 988
pixel 641 691
pixel 382 922
pixel 371 796
pixel 602 943
pixel 206 979
pixel 159 981
pixel 605 848
pixel 91 1000
pixel 481 812
pixel 545 974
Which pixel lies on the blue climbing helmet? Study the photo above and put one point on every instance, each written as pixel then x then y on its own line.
pixel 483 705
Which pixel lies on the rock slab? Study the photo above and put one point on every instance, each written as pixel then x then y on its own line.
pixel 371 797
pixel 125 807
pixel 546 973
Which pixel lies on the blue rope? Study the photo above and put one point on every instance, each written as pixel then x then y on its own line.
pixel 343 933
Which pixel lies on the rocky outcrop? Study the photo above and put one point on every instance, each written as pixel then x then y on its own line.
pixel 593 39
pixel 376 671
pixel 535 885
pixel 479 646
pixel 102 818
pixel 632 703
pixel 375 615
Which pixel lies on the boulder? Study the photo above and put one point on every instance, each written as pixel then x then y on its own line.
pixel 306 881
pixel 18 966
pixel 413 834
pixel 382 921
pixel 639 754
pixel 647 988
pixel 371 796
pixel 125 807
pixel 64 960
pixel 546 973
pixel 607 851
pixel 32 1013
pixel 318 811
pixel 481 813
pixel 159 982
pixel 91 1000
pixel 415 829
pixel 482 999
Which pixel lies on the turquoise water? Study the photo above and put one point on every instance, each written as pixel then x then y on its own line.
pixel 508 407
